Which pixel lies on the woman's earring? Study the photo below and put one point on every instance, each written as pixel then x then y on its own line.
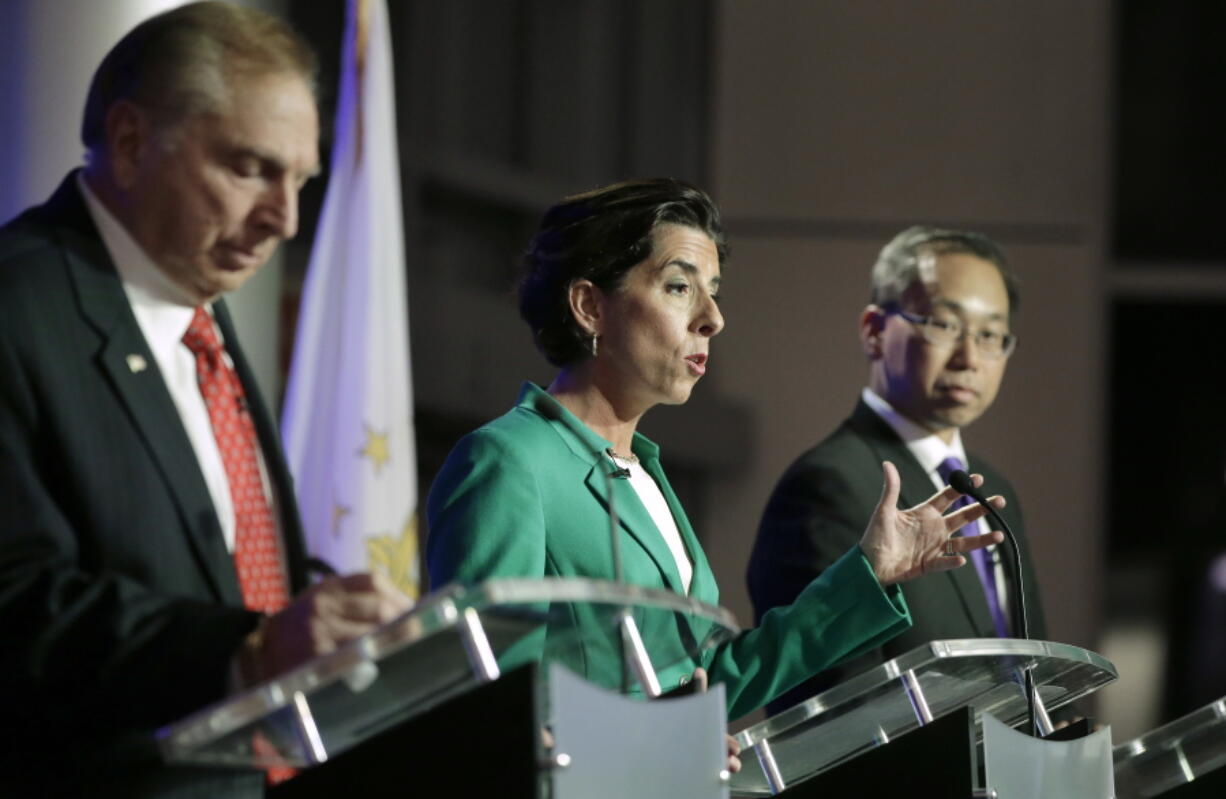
pixel 594 344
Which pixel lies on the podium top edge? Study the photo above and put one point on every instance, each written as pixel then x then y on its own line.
pixel 1021 652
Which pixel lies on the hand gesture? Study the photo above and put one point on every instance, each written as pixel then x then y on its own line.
pixel 904 544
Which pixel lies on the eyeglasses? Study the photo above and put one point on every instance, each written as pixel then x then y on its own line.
pixel 945 331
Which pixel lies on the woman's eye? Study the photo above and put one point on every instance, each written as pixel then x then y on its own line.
pixel 678 288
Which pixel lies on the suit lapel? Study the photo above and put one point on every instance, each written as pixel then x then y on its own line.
pixel 635 520
pixel 143 393
pixel 702 583
pixel 917 486
pixel 618 496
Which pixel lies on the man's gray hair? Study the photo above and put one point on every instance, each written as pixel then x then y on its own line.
pixel 902 261
pixel 178 64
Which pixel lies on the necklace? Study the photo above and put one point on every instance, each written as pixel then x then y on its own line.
pixel 631 458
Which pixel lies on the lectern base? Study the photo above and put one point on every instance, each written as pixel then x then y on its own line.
pixel 1206 786
pixel 938 759
pixel 482 743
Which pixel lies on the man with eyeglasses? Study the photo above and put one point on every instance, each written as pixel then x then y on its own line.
pixel 937 337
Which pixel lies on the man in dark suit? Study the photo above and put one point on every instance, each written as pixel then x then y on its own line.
pixel 149 543
pixel 937 338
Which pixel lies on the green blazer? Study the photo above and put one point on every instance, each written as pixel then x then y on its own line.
pixel 527 496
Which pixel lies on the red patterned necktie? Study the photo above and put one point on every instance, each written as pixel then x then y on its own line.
pixel 256 557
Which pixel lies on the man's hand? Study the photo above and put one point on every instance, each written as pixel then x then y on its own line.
pixel 322 618
pixel 904 544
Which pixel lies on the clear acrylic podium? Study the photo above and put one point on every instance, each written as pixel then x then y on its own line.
pixel 909 692
pixel 451 643
pixel 1184 758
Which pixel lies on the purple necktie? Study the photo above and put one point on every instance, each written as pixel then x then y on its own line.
pixel 980 557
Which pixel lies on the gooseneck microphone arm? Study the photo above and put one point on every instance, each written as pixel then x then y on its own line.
pixel 962 482
pixel 633 651
pixel 614 538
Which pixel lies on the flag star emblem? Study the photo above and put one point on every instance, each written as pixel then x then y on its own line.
pixel 376 448
pixel 396 556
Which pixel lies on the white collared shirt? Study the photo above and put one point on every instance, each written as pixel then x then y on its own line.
pixel 657 508
pixel 925 445
pixel 928 448
pixel 163 312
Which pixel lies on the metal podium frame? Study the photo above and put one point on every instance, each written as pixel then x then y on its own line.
pixel 909 692
pixel 1184 757
pixel 447 644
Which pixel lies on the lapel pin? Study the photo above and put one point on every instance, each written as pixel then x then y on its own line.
pixel 136 363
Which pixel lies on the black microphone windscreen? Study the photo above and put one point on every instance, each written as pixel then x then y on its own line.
pixel 962 482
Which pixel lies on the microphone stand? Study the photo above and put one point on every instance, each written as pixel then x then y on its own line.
pixel 961 481
pixel 631 650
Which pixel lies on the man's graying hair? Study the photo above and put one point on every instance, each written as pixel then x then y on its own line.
pixel 898 265
pixel 178 64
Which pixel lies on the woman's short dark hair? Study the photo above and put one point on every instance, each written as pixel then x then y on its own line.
pixel 598 236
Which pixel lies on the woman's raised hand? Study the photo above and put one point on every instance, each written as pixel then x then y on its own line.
pixel 904 544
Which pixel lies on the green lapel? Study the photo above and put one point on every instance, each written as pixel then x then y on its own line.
pixel 634 519
pixel 616 494
pixel 702 584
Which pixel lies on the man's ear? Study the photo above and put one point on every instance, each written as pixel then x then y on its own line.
pixel 872 328
pixel 128 137
pixel 585 299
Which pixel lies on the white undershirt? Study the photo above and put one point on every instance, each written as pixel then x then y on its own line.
pixel 657 507
pixel 163 312
pixel 930 451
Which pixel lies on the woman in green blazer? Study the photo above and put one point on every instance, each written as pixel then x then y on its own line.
pixel 620 288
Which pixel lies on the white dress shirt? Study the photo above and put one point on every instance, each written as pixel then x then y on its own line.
pixel 163 311
pixel 930 451
pixel 657 507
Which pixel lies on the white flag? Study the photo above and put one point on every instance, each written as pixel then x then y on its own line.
pixel 348 418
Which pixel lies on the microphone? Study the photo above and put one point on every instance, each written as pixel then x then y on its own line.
pixel 614 538
pixel 618 577
pixel 962 482
pixel 632 653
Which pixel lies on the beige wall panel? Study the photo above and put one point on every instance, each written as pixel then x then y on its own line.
pixel 882 110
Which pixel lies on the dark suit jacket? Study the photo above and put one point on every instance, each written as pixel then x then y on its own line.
pixel 820 508
pixel 119 604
